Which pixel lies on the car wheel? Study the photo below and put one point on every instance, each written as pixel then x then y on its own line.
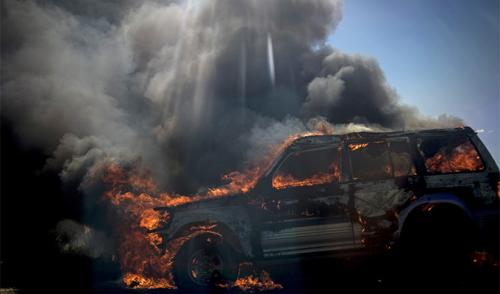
pixel 437 242
pixel 204 262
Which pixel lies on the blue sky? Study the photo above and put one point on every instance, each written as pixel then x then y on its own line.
pixel 439 55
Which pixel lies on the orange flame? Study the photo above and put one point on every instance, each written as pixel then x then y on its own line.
pixel 354 147
pixel 242 182
pixel 281 181
pixel 462 158
pixel 238 182
pixel 498 189
pixel 134 193
pixel 249 280
pixel 150 219
pixel 260 283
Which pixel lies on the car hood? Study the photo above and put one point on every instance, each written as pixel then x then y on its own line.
pixel 211 202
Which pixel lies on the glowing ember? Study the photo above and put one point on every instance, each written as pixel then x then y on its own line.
pixel 428 207
pixel 354 147
pixel 483 258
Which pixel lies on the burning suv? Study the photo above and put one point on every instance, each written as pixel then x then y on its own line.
pixel 429 191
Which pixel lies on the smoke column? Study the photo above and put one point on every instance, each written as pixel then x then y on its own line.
pixel 167 81
pixel 189 89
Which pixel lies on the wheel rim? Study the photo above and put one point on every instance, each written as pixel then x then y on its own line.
pixel 204 265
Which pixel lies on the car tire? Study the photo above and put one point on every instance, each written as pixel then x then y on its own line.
pixel 205 262
pixel 437 243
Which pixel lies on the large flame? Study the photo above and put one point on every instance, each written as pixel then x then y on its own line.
pixel 134 194
pixel 242 182
pixel 462 158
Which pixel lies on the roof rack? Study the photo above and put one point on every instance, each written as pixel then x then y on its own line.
pixel 328 139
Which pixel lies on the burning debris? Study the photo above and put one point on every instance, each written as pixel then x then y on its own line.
pixel 262 282
pixel 249 280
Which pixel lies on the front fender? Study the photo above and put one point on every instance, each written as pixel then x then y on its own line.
pixel 233 218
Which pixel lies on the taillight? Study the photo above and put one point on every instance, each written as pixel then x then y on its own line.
pixel 498 189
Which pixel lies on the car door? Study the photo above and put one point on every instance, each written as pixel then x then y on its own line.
pixel 307 210
pixel 382 177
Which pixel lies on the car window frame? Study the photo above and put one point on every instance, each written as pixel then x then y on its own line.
pixel 348 154
pixel 338 147
pixel 408 142
pixel 423 159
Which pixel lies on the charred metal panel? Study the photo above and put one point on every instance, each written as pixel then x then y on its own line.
pixel 438 198
pixel 304 220
pixel 376 198
pixel 376 206
pixel 307 239
pixel 478 183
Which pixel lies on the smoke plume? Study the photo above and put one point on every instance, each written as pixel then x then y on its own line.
pixel 192 88
pixel 79 239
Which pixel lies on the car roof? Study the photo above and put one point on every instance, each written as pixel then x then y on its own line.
pixel 319 140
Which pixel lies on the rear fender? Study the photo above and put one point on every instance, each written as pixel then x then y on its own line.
pixel 438 198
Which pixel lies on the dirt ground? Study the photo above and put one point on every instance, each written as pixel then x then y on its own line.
pixel 360 275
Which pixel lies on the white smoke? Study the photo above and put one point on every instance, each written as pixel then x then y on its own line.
pixel 78 239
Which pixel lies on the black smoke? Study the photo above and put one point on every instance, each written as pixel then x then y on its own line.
pixel 180 83
pixel 193 89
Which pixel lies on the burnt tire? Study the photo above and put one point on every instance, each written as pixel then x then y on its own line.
pixel 437 242
pixel 204 262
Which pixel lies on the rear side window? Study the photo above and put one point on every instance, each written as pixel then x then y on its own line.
pixel 308 168
pixel 370 161
pixel 449 154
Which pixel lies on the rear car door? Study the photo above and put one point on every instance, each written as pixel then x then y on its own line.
pixel 382 175
pixel 308 208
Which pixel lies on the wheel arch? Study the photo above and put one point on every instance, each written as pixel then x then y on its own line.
pixel 440 199
pixel 233 226
pixel 225 231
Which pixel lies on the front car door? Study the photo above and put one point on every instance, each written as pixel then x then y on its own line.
pixel 308 208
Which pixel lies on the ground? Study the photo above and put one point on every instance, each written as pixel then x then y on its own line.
pixel 358 275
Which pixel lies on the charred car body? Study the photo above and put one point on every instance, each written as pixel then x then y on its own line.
pixel 347 194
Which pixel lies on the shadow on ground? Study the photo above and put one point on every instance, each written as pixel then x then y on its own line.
pixel 361 275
